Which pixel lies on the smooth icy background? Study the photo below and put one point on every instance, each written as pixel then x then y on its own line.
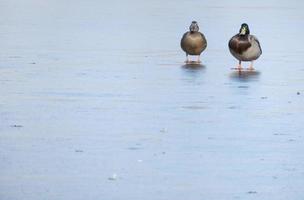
pixel 95 102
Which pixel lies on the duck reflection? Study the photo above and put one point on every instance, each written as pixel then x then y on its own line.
pixel 245 75
pixel 193 66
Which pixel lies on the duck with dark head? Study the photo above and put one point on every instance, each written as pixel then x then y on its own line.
pixel 193 42
pixel 245 47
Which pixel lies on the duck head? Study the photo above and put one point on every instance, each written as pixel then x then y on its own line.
pixel 193 27
pixel 244 30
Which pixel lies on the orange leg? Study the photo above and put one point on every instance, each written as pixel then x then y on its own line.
pixel 187 58
pixel 251 66
pixel 198 59
pixel 239 67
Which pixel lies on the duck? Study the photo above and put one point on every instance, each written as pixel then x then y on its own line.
pixel 245 47
pixel 193 42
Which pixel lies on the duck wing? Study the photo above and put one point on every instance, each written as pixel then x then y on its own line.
pixel 257 41
pixel 182 43
pixel 204 39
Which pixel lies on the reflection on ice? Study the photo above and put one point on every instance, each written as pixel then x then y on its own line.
pixel 194 66
pixel 245 75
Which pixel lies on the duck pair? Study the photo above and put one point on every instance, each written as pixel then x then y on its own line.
pixel 243 46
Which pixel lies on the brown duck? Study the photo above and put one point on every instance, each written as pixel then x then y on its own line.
pixel 193 42
pixel 245 47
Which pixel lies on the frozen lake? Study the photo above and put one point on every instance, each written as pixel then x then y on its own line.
pixel 96 103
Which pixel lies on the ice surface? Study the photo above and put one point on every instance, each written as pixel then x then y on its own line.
pixel 96 103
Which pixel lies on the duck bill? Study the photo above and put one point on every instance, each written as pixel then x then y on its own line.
pixel 243 31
